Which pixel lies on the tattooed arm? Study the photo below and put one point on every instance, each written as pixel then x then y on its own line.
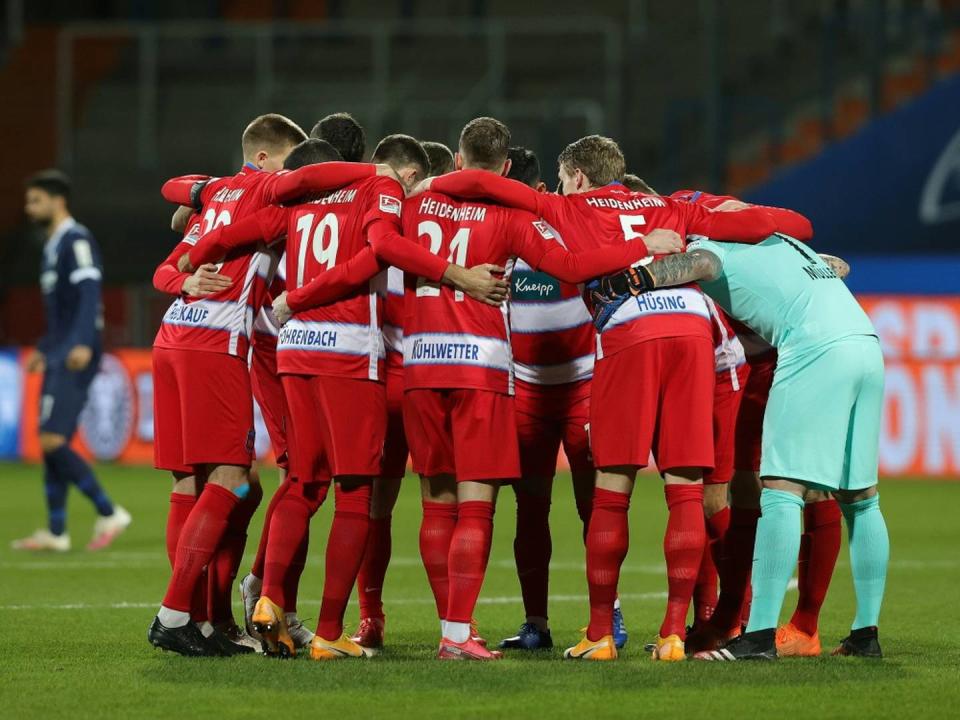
pixel 684 267
pixel 840 267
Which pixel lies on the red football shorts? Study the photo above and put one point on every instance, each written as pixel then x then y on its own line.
pixel 395 450
pixel 548 416
pixel 337 426
pixel 202 410
pixel 268 391
pixel 727 394
pixel 749 432
pixel 655 395
pixel 471 434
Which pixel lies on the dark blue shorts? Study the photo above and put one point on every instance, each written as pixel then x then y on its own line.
pixel 63 397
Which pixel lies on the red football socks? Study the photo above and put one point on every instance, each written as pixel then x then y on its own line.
pixel 223 567
pixel 436 531
pixel 257 569
pixel 705 591
pixel 608 538
pixel 289 528
pixel 345 549
pixel 683 548
pixel 373 571
pixel 735 565
pixel 180 506
pixel 199 538
pixel 819 547
pixel 467 560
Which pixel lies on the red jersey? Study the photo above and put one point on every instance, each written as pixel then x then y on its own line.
pixel 609 216
pixel 451 341
pixel 342 338
pixel 551 332
pixel 393 312
pixel 223 322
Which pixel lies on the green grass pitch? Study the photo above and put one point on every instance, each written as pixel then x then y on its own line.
pixel 73 633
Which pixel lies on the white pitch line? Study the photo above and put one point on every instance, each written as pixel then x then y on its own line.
pixel 426 600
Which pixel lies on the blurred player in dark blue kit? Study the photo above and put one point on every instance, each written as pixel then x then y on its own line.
pixel 68 355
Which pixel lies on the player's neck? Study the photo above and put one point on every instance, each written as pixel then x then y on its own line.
pixel 56 221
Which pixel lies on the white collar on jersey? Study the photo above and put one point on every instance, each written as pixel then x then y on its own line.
pixel 53 242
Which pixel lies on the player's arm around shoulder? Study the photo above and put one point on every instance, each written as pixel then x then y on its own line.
pixel 697 263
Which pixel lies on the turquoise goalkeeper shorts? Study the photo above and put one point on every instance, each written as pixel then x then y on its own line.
pixel 822 423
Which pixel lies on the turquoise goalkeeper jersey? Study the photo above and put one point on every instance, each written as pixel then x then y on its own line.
pixel 783 291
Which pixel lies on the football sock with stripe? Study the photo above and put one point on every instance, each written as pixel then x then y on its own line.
pixel 373 571
pixel 55 488
pixel 608 538
pixel 436 531
pixel 199 539
pixel 467 559
pixel 345 550
pixel 684 544
pixel 819 547
pixel 532 548
pixel 223 567
pixel 869 556
pixel 775 555
pixel 70 467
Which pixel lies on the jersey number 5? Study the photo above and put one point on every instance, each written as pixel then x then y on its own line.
pixel 458 255
pixel 324 239
pixel 629 225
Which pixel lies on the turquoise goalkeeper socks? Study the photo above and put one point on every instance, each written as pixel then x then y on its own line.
pixel 869 555
pixel 774 555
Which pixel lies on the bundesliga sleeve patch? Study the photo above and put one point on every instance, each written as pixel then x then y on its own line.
pixel 390 204
pixel 544 230
pixel 193 236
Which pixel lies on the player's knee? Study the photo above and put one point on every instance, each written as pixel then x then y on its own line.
pixel 683 475
pixel 745 490
pixel 616 479
pixel 714 499
pixel 231 477
pixel 537 486
pixel 438 488
pixel 51 442
pixel 851 496
pixel 185 483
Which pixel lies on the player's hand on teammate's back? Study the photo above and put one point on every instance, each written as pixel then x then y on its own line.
pixel 205 281
pixel 79 358
pixel 481 282
pixel 281 310
pixel 36 362
pixel 184 264
pixel 731 206
pixel 663 242
pixel 420 187
pixel 840 267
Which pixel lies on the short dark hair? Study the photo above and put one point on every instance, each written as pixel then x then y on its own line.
pixel 524 166
pixel 310 152
pixel 343 132
pixel 441 157
pixel 401 151
pixel 52 181
pixel 597 157
pixel 635 183
pixel 271 131
pixel 484 142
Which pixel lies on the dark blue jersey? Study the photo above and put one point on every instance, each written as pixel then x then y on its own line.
pixel 70 278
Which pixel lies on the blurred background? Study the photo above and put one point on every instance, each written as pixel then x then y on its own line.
pixel 847 110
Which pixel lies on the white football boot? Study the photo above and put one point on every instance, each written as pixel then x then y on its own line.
pixel 43 540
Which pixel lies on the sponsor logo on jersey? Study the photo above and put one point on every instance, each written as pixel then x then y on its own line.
pixel 305 337
pixel 390 204
pixel 544 230
pixel 106 422
pixel 534 286
pixel 186 314
pixel 425 350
